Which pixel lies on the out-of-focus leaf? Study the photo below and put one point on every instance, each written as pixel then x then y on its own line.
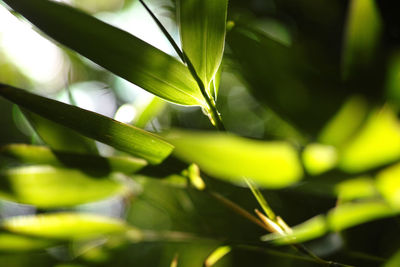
pixel 39 155
pixel 48 187
pixel 362 35
pixel 377 143
pixel 340 218
pixel 216 255
pixel 345 123
pixel 357 188
pixel 17 243
pixel 351 214
pixel 202 26
pixel 121 136
pixel 394 261
pixel 67 226
pixel 388 183
pixel 310 229
pixel 113 49
pixel 149 112
pixel 319 158
pixel 231 158
pixel 60 137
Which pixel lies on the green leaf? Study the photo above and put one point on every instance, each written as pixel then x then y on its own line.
pixel 149 112
pixel 231 158
pixel 388 183
pixel 375 144
pixel 67 226
pixel 202 26
pixel 319 158
pixel 59 137
pixel 40 155
pixel 17 243
pixel 338 219
pixel 362 36
pixel 48 187
pixel 121 136
pixel 116 50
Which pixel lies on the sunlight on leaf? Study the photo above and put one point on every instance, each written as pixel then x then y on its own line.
pixel 154 108
pixel 319 158
pixel 231 158
pixel 352 214
pixel 313 228
pixel 114 49
pixel 39 155
pixel 362 35
pixel 202 26
pixel 388 183
pixel 345 123
pixel 338 219
pixel 377 143
pixel 216 255
pixel 394 261
pixel 65 225
pixel 357 188
pixel 48 187
pixel 17 243
pixel 121 136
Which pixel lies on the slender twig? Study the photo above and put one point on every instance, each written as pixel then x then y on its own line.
pixel 212 110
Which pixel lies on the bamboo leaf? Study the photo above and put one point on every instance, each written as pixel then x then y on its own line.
pixel 231 158
pixel 202 26
pixel 48 187
pixel 121 136
pixel 40 155
pixel 17 243
pixel 116 50
pixel 67 226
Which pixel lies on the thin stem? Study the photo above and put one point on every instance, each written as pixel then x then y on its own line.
pixel 211 108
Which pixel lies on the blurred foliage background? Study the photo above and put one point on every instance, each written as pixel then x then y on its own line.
pixel 310 92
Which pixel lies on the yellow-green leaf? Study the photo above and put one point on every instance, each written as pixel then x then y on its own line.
pixel 231 158
pixel 202 26
pixel 48 187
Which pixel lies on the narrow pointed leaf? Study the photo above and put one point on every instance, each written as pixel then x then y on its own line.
pixel 113 49
pixel 40 155
pixel 231 158
pixel 121 136
pixel 48 187
pixel 202 25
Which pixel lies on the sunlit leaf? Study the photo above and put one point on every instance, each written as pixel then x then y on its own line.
pixel 388 183
pixel 121 136
pixel 319 158
pixel 16 243
pixel 40 155
pixel 216 255
pixel 47 187
pixel 149 112
pixel 377 143
pixel 357 188
pixel 362 35
pixel 351 214
pixel 345 123
pixel 113 49
pixel 310 229
pixel 202 26
pixel 340 218
pixel 231 158
pixel 65 225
